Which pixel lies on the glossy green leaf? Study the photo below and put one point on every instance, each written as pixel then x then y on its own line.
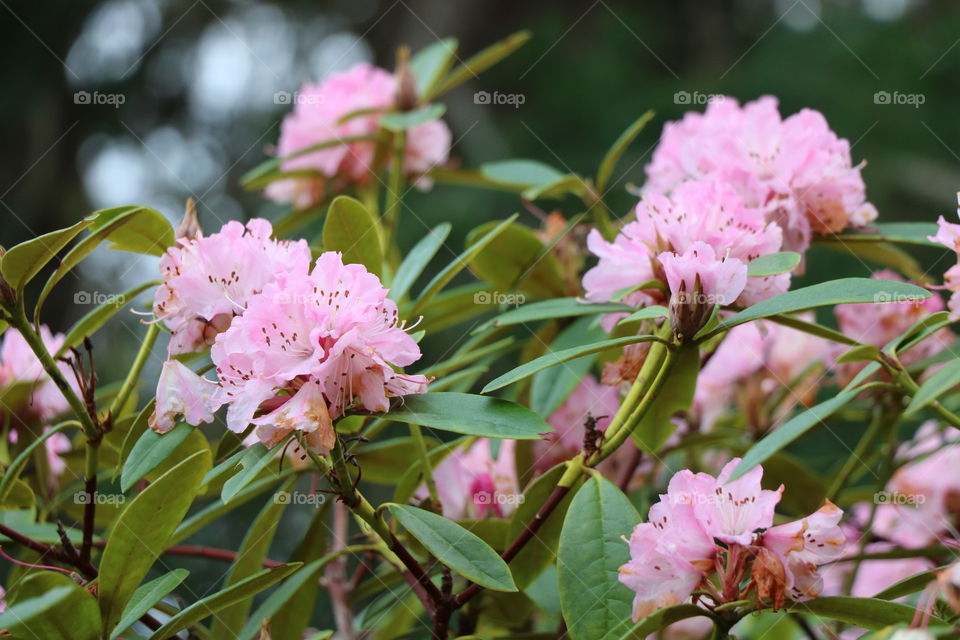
pixel 869 613
pixel 147 232
pixel 471 415
pixel 942 380
pixel 619 147
pixel 516 261
pixel 276 601
pixel 430 64
pixel 417 260
pixel 594 603
pixel 899 232
pixel 523 173
pixel 214 603
pixel 251 463
pixel 773 264
pixel 859 353
pixel 483 60
pixel 27 612
pixel 676 394
pixel 142 531
pixel 146 597
pixel 25 260
pixel 140 425
pixel 350 229
pixel 791 430
pixel 555 308
pixel 99 315
pixel 403 120
pixel 253 550
pixel 455 547
pixel 149 451
pixel 647 313
pixel 550 387
pixel 843 291
pixel 75 617
pixel 569 183
pixel 558 357
pixel 661 619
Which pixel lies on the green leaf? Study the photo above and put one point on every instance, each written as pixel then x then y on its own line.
pixel 140 425
pixel 430 64
pixel 471 415
pixel 569 183
pixel 99 315
pixel 150 450
pixel 482 61
pixel 75 616
pixel 455 547
pixel 146 597
pixel 460 262
pixel 252 462
pixel 21 615
pixel 900 232
pixel 417 260
pixel 860 353
pixel 269 171
pixel 521 173
pixel 555 308
pixel 773 264
pixel 594 603
pixel 843 291
pixel 883 254
pixel 676 394
pixel 662 619
pixel 142 531
pixel 647 313
pixel 558 357
pixel 148 232
pixel 218 601
pixel 253 550
pixel 403 120
pixel 613 156
pixel 281 596
pixel 869 613
pixel 942 380
pixel 350 229
pixel 910 585
pixel 791 430
pixel 550 387
pixel 813 329
pixel 516 261
pixel 22 262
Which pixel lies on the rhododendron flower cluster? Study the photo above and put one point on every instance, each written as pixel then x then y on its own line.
pixel 795 170
pixel 347 104
pixel 209 280
pixel 698 241
pixel 679 548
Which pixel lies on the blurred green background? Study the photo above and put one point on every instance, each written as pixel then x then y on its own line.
pixel 182 104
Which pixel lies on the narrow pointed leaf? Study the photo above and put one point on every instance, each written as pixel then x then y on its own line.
pixel 417 260
pixel 471 415
pixel 773 264
pixel 146 597
pixel 25 260
pixel 482 61
pixel 944 379
pixel 619 147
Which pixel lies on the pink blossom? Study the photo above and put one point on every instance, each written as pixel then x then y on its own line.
pixel 734 510
pixel 19 365
pixel 948 234
pixel 473 483
pixel 700 272
pixel 181 392
pixel 797 171
pixel 55 446
pixel 347 104
pixel 331 335
pixel 804 545
pixel 209 280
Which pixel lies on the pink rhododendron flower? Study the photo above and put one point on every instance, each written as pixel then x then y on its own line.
pixel 736 509
pixel 473 483
pixel 803 545
pixel 181 392
pixel 948 234
pixel 309 348
pixel 347 104
pixel 19 365
pixel 797 171
pixel 209 280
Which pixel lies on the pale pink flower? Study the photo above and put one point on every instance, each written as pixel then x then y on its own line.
pixel 19 365
pixel 332 335
pixel 700 272
pixel 473 483
pixel 735 510
pixel 797 171
pixel 804 545
pixel 948 234
pixel 209 280
pixel 347 104
pixel 181 392
pixel 55 446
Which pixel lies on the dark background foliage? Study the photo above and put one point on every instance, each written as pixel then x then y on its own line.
pixel 197 80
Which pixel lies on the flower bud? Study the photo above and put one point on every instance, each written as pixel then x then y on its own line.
pixel 406 93
pixel 190 225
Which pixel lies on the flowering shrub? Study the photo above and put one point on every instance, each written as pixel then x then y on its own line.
pixel 494 490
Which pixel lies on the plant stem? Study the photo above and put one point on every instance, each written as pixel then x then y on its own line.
pixel 394 197
pixel 90 488
pixel 417 433
pixel 133 376
pixel 866 443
